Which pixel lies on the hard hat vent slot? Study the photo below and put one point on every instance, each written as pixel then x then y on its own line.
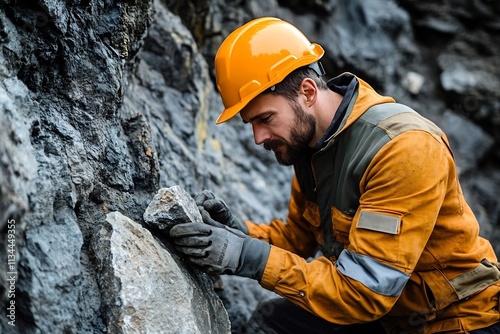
pixel 281 65
pixel 249 88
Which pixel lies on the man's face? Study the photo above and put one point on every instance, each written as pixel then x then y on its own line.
pixel 280 125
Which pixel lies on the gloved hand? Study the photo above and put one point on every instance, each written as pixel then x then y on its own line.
pixel 213 207
pixel 221 250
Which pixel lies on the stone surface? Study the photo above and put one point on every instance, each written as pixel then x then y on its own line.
pixel 145 289
pixel 469 153
pixel 169 207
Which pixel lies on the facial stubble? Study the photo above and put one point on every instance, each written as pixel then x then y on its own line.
pixel 300 136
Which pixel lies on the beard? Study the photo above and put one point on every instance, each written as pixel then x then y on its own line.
pixel 300 137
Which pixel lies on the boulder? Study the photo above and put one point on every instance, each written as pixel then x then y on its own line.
pixel 145 289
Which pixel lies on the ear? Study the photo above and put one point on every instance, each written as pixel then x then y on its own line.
pixel 309 90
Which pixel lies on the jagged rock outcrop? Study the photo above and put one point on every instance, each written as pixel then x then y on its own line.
pixel 104 103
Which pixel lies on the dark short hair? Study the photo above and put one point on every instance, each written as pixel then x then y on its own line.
pixel 289 87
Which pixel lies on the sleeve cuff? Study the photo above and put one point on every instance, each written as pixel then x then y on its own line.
pixel 257 231
pixel 272 271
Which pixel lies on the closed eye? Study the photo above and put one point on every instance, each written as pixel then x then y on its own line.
pixel 265 119
pixel 261 118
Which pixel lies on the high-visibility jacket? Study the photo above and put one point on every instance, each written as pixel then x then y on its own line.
pixel 383 202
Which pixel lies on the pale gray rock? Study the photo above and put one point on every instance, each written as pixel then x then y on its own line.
pixel 146 289
pixel 459 79
pixel 169 207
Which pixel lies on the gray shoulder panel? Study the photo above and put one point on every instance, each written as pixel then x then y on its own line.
pixel 396 118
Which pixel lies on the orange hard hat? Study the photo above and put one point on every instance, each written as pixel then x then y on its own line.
pixel 255 57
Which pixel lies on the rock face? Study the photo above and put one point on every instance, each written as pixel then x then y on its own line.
pixel 104 103
pixel 146 290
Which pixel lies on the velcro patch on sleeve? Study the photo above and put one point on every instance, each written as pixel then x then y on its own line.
pixel 379 222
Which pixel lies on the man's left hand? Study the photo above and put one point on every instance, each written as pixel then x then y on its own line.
pixel 213 208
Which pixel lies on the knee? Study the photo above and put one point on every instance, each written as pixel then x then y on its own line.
pixel 267 308
pixel 261 320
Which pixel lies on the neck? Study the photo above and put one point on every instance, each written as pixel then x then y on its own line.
pixel 326 107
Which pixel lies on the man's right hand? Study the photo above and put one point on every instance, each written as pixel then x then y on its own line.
pixel 214 210
pixel 221 249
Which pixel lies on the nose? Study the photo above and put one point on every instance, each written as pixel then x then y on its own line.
pixel 260 134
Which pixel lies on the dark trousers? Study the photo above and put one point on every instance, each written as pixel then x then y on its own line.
pixel 279 316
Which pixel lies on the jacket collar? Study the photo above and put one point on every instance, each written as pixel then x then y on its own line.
pixel 345 85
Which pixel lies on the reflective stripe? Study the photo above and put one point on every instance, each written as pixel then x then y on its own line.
pixel 376 276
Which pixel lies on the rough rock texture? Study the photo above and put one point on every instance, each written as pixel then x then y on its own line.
pixel 104 103
pixel 169 207
pixel 145 289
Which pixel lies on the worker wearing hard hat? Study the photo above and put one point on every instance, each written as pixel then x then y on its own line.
pixel 375 189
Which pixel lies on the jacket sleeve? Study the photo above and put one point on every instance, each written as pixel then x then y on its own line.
pixel 295 235
pixel 401 195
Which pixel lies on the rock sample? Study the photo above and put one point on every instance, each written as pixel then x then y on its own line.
pixel 169 207
pixel 145 289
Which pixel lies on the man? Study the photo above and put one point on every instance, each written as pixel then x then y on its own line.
pixel 375 189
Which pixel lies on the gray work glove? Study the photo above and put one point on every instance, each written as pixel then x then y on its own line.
pixel 212 206
pixel 221 249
